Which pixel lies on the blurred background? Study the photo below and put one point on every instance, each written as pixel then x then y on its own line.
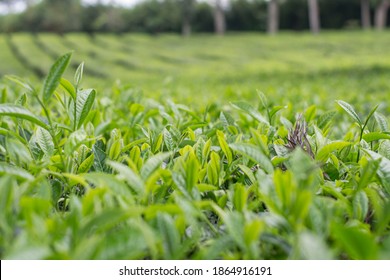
pixel 188 16
pixel 216 50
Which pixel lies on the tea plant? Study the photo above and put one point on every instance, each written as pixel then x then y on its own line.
pixel 85 176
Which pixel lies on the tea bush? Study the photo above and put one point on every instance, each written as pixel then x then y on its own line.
pixel 84 176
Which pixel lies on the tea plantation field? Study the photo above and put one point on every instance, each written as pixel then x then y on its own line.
pixel 161 147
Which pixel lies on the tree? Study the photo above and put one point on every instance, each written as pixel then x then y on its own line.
pixel 365 14
pixel 381 14
pixel 187 13
pixel 314 16
pixel 61 16
pixel 219 18
pixel 273 17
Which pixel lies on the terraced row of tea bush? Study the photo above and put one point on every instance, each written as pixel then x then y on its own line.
pixel 292 67
pixel 87 175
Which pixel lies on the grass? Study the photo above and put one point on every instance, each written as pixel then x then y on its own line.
pixel 239 147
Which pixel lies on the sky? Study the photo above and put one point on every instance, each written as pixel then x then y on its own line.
pixel 118 2
pixel 19 6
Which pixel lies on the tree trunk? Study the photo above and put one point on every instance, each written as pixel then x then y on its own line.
pixel 365 14
pixel 381 14
pixel 219 18
pixel 273 17
pixel 186 28
pixel 314 16
pixel 187 10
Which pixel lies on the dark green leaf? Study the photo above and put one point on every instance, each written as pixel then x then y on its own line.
pixel 53 78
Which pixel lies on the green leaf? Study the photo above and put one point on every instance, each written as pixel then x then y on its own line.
pixel 381 121
pixel 360 206
pixel 224 146
pixel 213 169
pixel 157 143
pixel 312 247
pixel 117 187
pixel 384 149
pixel 168 140
pixel 103 221
pixel 247 108
pixel 75 140
pixel 68 87
pixel 53 78
pixel 78 76
pixel 206 187
pixel 369 116
pixel 235 225
pixel 374 136
pixel 126 173
pixel 349 109
pixel 45 142
pixel 254 154
pixel 86 164
pixel 358 243
pixel 276 109
pixel 22 100
pixel 134 143
pixel 252 231
pixel 6 169
pixel 240 197
pixel 206 149
pixel 84 102
pixel 324 119
pixel 153 163
pixel 20 82
pixel 310 113
pixel 248 172
pixel 191 171
pixel 17 111
pixel 18 152
pixel 100 156
pixel 226 119
pixel 170 236
pixel 367 173
pixel 263 99
pixel 384 168
pixel 115 150
pixel 324 152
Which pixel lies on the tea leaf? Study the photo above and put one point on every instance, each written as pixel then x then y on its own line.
pixel 78 76
pixel 20 82
pixel 352 238
pixel 53 78
pixel 68 87
pixel 254 154
pixel 17 111
pixel 247 108
pixel 349 109
pixel 224 146
pixel 381 121
pixel 152 164
pixel 126 173
pixel 45 142
pixel 84 102
pixel 375 136
pixel 324 152
pixel 86 164
pixel 6 169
